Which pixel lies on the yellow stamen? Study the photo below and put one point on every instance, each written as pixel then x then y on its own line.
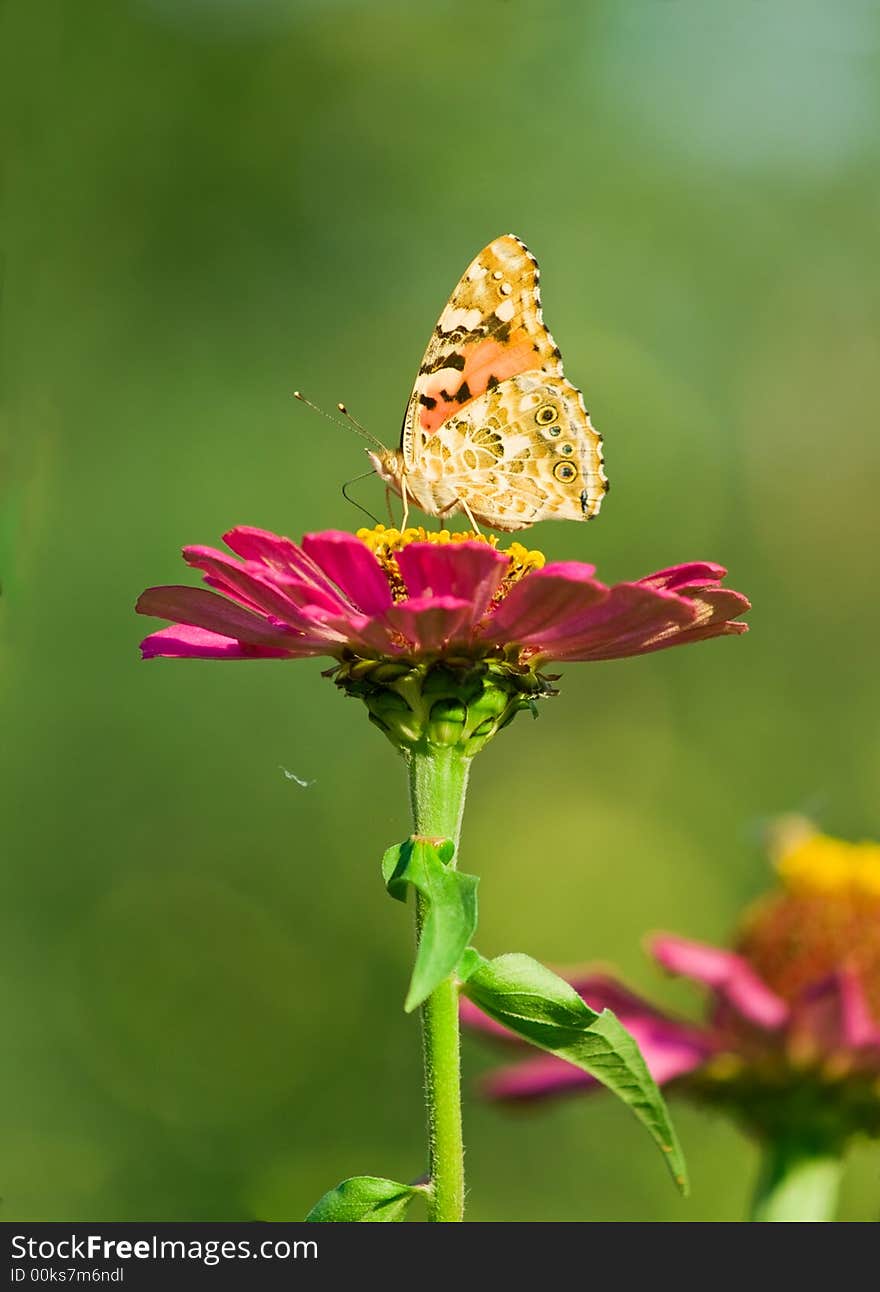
pixel 385 543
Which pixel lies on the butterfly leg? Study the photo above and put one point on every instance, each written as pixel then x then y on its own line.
pixel 403 495
pixel 470 515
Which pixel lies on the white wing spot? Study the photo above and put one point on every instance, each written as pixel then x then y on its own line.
pixel 468 320
pixel 505 289
pixel 505 311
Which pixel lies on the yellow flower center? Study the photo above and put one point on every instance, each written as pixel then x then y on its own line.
pixel 385 543
pixel 825 917
pixel 825 866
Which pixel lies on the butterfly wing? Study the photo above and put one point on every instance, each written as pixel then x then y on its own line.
pixel 490 330
pixel 524 451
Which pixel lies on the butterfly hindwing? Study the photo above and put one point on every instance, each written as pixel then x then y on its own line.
pixel 522 452
pixel 490 330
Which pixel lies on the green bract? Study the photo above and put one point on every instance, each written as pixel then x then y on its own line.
pixel 457 704
pixel 451 916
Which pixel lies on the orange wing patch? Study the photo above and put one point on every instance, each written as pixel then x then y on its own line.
pixel 486 363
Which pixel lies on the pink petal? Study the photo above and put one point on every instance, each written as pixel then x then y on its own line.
pixel 201 609
pixel 467 571
pixel 183 642
pixel 279 553
pixel 858 1025
pixel 255 586
pixel 304 607
pixel 352 567
pixel 683 638
pixel 694 574
pixel 280 556
pixel 429 624
pixel 834 1014
pixel 539 604
pixel 729 976
pixel 671 1051
pixel 373 636
pixel 718 604
pixel 817 1018
pixel 563 613
pixel 630 616
pixel 536 1078
pixel 703 615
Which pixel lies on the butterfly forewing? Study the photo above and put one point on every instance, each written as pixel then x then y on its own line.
pixel 490 330
pixel 492 427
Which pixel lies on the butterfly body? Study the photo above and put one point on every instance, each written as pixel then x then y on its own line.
pixel 493 428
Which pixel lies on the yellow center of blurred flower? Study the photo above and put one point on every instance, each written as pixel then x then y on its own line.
pixel 826 916
pixel 823 865
pixel 385 543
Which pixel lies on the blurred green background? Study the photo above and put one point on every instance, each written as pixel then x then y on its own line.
pixel 211 202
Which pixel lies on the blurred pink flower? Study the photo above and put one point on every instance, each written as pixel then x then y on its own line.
pixel 385 595
pixel 792 1031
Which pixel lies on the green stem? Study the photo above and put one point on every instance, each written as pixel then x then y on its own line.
pixel 796 1183
pixel 437 784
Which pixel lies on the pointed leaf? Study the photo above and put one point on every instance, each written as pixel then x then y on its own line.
pixel 544 1009
pixel 450 917
pixel 364 1198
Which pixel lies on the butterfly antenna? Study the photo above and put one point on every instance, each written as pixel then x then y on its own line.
pixel 349 420
pixel 361 430
pixel 349 417
pixel 354 501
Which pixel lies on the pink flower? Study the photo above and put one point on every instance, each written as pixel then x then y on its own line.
pixel 792 1030
pixel 385 595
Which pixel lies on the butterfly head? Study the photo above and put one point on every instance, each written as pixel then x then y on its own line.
pixel 388 465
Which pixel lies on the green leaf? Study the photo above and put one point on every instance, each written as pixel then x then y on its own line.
pixel 544 1009
pixel 450 918
pixel 365 1198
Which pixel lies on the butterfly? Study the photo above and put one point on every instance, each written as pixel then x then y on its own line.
pixel 493 429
